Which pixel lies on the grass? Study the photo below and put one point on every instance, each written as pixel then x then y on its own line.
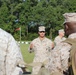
pixel 28 57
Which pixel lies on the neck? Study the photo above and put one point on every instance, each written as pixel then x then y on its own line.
pixel 41 38
pixel 60 36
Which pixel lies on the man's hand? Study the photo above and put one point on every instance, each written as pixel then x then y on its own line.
pixel 52 45
pixel 31 46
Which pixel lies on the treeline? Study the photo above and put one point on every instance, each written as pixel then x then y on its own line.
pixel 29 14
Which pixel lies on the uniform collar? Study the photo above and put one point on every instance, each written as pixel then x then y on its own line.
pixel 73 35
pixel 43 39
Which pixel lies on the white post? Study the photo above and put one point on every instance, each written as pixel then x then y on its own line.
pixel 20 34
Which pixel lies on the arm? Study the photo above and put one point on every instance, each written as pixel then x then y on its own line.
pixel 51 45
pixel 65 52
pixel 13 57
pixel 31 47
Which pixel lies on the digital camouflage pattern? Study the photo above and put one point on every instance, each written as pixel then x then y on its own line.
pixel 42 49
pixel 60 56
pixel 58 40
pixel 10 55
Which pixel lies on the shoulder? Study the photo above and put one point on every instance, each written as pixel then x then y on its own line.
pixel 36 39
pixel 73 35
pixel 57 37
pixel 48 40
pixel 63 46
pixel 3 32
pixel 63 38
pixel 5 35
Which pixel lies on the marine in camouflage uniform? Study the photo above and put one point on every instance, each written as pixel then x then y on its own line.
pixel 10 55
pixel 60 37
pixel 62 53
pixel 42 47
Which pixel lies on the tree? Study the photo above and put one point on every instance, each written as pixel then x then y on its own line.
pixel 29 14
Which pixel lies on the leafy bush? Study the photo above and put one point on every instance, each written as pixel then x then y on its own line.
pixel 32 36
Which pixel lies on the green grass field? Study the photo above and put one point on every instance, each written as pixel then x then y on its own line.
pixel 28 57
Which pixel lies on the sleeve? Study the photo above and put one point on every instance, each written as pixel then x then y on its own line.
pixel 65 52
pixel 55 40
pixel 55 62
pixel 51 45
pixel 13 57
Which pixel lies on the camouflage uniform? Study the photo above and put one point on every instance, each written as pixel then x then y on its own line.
pixel 58 39
pixel 10 55
pixel 42 50
pixel 60 56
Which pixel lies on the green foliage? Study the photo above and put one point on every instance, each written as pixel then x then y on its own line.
pixel 29 14
pixel 31 36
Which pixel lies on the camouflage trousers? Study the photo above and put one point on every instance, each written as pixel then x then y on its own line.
pixel 36 69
